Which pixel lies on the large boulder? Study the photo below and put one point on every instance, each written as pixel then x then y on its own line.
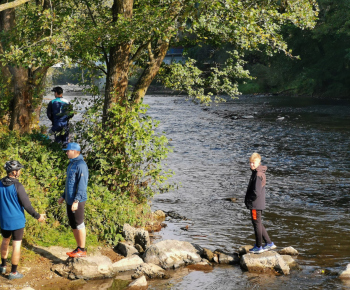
pixel 150 270
pixel 85 268
pixel 173 254
pixel 129 263
pixel 266 262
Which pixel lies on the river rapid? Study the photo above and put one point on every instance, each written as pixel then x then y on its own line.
pixel 307 193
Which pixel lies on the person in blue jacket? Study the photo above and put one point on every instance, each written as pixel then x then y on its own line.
pixel 75 195
pixel 13 201
pixel 59 111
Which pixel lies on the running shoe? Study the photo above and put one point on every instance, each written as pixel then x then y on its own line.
pixel 77 253
pixel 268 247
pixel 2 270
pixel 257 250
pixel 16 275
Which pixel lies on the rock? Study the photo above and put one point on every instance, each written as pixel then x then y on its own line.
pixel 129 263
pixel 159 214
pixel 216 259
pixel 142 238
pixel 27 288
pixel 201 266
pixel 207 254
pixel 248 117
pixel 136 236
pixel 85 268
pixel 265 262
pixel 139 248
pixel 289 251
pixel 225 258
pixel 152 271
pixel 54 253
pixel 280 119
pixel 140 282
pixel 290 261
pixel 244 250
pixel 345 275
pixel 170 253
pixel 126 249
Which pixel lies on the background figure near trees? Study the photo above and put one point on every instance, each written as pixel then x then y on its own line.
pixel 59 111
pixel 13 201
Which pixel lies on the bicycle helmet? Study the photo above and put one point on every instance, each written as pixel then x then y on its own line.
pixel 13 166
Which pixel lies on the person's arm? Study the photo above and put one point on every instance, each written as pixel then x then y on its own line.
pixel 49 111
pixel 258 186
pixel 25 202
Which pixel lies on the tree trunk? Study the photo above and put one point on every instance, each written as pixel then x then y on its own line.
pixel 118 63
pixel 151 71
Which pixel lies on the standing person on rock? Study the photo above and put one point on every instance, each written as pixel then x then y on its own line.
pixel 59 111
pixel 255 201
pixel 75 195
pixel 13 201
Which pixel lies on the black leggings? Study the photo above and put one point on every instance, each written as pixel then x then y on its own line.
pixel 17 235
pixel 259 229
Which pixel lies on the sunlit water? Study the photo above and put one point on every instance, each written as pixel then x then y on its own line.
pixel 308 181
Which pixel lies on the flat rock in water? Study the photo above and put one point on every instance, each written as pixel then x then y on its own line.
pixel 345 275
pixel 266 262
pixel 85 268
pixel 173 254
pixel 140 282
pixel 129 263
pixel 150 270
pixel 290 261
pixel 247 117
pixel 289 251
pixel 226 258
pixel 244 250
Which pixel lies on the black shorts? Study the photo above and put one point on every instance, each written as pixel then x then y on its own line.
pixel 17 235
pixel 76 218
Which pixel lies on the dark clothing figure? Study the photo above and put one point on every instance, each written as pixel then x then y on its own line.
pixel 255 196
pixel 255 201
pixel 59 111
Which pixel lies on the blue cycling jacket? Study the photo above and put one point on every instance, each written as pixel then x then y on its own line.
pixel 77 180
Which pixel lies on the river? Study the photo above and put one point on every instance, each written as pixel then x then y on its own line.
pixel 307 193
pixel 308 184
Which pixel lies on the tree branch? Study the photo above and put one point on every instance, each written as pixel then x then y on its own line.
pixel 138 52
pixel 12 4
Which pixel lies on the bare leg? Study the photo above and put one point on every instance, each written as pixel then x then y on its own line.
pixel 5 247
pixel 16 254
pixel 80 237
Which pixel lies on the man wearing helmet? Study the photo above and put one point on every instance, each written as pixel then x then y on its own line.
pixel 75 195
pixel 13 201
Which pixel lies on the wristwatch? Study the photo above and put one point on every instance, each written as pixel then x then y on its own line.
pixel 76 201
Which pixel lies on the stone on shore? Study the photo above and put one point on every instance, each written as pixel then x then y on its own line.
pixel 207 254
pixel 345 275
pixel 126 249
pixel 173 254
pixel 264 262
pixel 129 263
pixel 159 214
pixel 136 236
pixel 150 270
pixel 85 268
pixel 289 251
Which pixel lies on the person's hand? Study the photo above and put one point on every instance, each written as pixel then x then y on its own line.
pixel 42 218
pixel 60 200
pixel 75 206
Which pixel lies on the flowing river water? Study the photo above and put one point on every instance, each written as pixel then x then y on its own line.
pixel 308 185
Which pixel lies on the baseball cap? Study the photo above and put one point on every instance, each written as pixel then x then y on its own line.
pixel 73 146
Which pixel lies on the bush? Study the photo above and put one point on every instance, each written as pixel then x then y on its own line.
pixel 124 172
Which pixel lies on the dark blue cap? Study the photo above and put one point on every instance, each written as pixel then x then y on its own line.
pixel 73 146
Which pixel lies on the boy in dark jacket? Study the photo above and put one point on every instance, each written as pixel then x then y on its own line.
pixel 255 201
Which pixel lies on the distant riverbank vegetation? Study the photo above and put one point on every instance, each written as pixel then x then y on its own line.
pixel 116 41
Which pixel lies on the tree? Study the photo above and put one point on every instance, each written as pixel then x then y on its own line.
pixel 125 37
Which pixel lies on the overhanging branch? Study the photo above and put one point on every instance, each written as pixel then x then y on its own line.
pixel 12 4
